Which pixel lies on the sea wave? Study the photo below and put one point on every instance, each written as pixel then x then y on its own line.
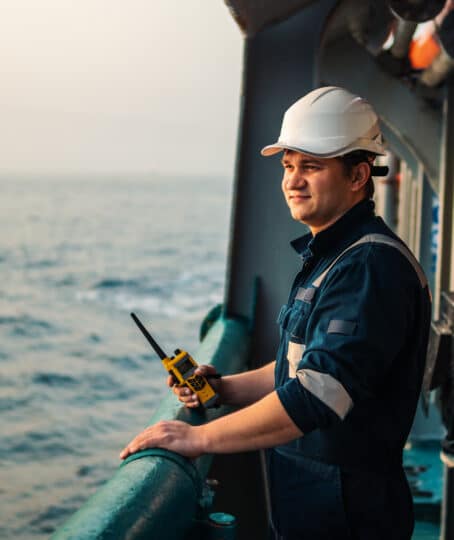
pixel 187 293
pixel 126 362
pixel 42 263
pixel 115 283
pixel 14 403
pixel 27 326
pixel 54 379
pixel 31 446
pixel 43 522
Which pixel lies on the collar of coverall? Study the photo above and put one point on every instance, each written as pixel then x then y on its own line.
pixel 339 233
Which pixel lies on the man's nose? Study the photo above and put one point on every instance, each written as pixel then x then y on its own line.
pixel 295 180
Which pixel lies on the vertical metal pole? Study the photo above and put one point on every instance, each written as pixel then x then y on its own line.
pixel 401 206
pixel 424 250
pixel 418 212
pixel 403 226
pixel 444 279
pixel 413 214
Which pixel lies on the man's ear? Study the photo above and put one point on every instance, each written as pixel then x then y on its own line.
pixel 361 174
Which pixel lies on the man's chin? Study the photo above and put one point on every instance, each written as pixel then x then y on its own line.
pixel 300 216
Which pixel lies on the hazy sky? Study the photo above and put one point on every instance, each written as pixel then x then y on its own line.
pixel 118 86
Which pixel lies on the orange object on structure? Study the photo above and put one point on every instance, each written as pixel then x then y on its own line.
pixel 423 50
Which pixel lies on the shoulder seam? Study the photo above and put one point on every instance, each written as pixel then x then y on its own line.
pixel 380 239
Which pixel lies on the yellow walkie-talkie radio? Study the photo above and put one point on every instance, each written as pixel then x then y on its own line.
pixel 181 367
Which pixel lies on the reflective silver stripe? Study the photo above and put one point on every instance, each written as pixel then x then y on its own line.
pixel 327 389
pixel 295 352
pixel 379 239
pixel 300 293
pixel 305 295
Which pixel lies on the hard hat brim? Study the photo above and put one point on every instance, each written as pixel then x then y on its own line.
pixel 277 147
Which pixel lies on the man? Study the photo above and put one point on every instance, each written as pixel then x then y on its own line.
pixel 337 405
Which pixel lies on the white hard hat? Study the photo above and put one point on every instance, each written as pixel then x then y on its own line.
pixel 329 122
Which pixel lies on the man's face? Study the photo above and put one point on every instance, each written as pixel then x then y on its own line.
pixel 317 191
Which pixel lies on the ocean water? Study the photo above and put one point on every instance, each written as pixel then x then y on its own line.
pixel 77 379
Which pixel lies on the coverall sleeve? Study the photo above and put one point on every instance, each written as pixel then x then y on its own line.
pixel 360 321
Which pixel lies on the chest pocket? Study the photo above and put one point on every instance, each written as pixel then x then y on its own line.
pixel 293 321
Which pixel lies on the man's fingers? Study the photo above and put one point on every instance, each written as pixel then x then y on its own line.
pixel 131 448
pixel 190 400
pixel 181 391
pixel 147 438
pixel 193 402
pixel 173 435
pixel 186 396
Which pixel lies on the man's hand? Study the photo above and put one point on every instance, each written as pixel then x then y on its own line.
pixel 185 395
pixel 172 435
pixel 261 425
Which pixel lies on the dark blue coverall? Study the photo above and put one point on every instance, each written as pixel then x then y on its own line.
pixel 348 372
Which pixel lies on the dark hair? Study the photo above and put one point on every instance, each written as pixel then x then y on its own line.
pixel 356 157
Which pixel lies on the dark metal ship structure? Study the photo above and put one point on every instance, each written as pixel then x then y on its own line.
pixel 290 47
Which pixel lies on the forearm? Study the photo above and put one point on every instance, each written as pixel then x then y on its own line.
pixel 261 425
pixel 248 387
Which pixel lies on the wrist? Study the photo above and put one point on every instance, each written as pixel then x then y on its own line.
pixel 223 389
pixel 202 437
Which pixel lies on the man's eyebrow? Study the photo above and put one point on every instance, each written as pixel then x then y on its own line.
pixel 302 161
